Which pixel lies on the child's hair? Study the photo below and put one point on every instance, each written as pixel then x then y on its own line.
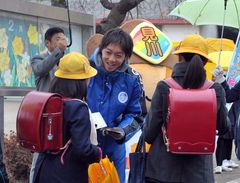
pixel 72 88
pixel 117 36
pixel 195 74
pixel 51 31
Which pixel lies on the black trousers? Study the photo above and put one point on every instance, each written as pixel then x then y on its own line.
pixel 224 150
pixel 148 180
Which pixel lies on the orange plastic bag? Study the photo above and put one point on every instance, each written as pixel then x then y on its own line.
pixel 103 172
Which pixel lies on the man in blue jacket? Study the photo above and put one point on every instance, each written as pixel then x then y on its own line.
pixel 115 93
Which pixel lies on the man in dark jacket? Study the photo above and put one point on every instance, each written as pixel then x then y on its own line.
pixel 45 64
pixel 224 142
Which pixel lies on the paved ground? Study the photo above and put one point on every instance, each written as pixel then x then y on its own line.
pixel 229 177
pixel 10 112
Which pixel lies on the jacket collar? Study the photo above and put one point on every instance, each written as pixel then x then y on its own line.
pixel 180 69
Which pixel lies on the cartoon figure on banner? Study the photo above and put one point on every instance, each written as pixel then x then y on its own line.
pixel 149 33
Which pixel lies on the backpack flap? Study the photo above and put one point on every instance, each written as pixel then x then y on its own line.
pixel 39 122
pixel 191 122
pixel 52 124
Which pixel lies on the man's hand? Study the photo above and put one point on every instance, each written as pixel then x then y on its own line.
pixel 219 74
pixel 116 133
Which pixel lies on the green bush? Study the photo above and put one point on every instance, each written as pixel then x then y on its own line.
pixel 17 160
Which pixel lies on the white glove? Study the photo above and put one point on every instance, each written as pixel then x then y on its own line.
pixel 219 74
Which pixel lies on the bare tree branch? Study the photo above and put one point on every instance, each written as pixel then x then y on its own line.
pixel 108 5
pixel 116 15
pixel 127 5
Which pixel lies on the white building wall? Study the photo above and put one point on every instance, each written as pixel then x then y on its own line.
pixel 178 32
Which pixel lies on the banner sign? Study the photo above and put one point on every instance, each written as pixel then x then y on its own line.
pixel 150 43
pixel 233 75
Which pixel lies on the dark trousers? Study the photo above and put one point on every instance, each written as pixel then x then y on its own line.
pixel 224 150
pixel 159 182
pixel 148 180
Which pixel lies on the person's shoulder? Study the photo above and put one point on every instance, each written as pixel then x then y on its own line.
pixel 162 84
pixel 41 55
pixel 218 89
pixel 75 102
pixel 162 87
pixel 75 108
pixel 132 71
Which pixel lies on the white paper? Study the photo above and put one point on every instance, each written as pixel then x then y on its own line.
pixel 98 120
pixel 93 134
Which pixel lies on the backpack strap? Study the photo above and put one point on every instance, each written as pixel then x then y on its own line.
pixel 207 84
pixel 173 84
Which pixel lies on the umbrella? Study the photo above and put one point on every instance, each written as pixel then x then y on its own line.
pixel 210 12
pixel 226 53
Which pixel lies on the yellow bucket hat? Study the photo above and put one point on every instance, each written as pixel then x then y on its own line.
pixel 193 44
pixel 75 66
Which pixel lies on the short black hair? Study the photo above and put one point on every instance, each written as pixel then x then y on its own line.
pixel 117 36
pixel 51 31
pixel 72 88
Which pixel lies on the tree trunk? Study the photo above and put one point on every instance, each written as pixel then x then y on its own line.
pixel 117 14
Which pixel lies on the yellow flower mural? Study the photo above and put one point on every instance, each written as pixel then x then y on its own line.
pixel 17 45
pixel 22 72
pixel 7 77
pixel 3 38
pixel 32 34
pixel 4 61
pixel 25 59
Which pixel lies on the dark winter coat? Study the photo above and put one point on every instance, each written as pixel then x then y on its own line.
pixel 168 167
pixel 80 154
pixel 232 96
pixel 233 115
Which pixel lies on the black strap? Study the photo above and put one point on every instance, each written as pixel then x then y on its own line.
pixel 141 146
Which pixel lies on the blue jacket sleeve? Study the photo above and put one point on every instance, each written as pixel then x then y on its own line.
pixel 133 110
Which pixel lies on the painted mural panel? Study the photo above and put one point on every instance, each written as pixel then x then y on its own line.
pixel 21 38
pixel 18 42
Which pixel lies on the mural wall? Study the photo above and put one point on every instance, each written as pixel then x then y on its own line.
pixel 22 37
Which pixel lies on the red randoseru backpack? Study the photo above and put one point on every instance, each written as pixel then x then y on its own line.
pixel 40 122
pixel 191 121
